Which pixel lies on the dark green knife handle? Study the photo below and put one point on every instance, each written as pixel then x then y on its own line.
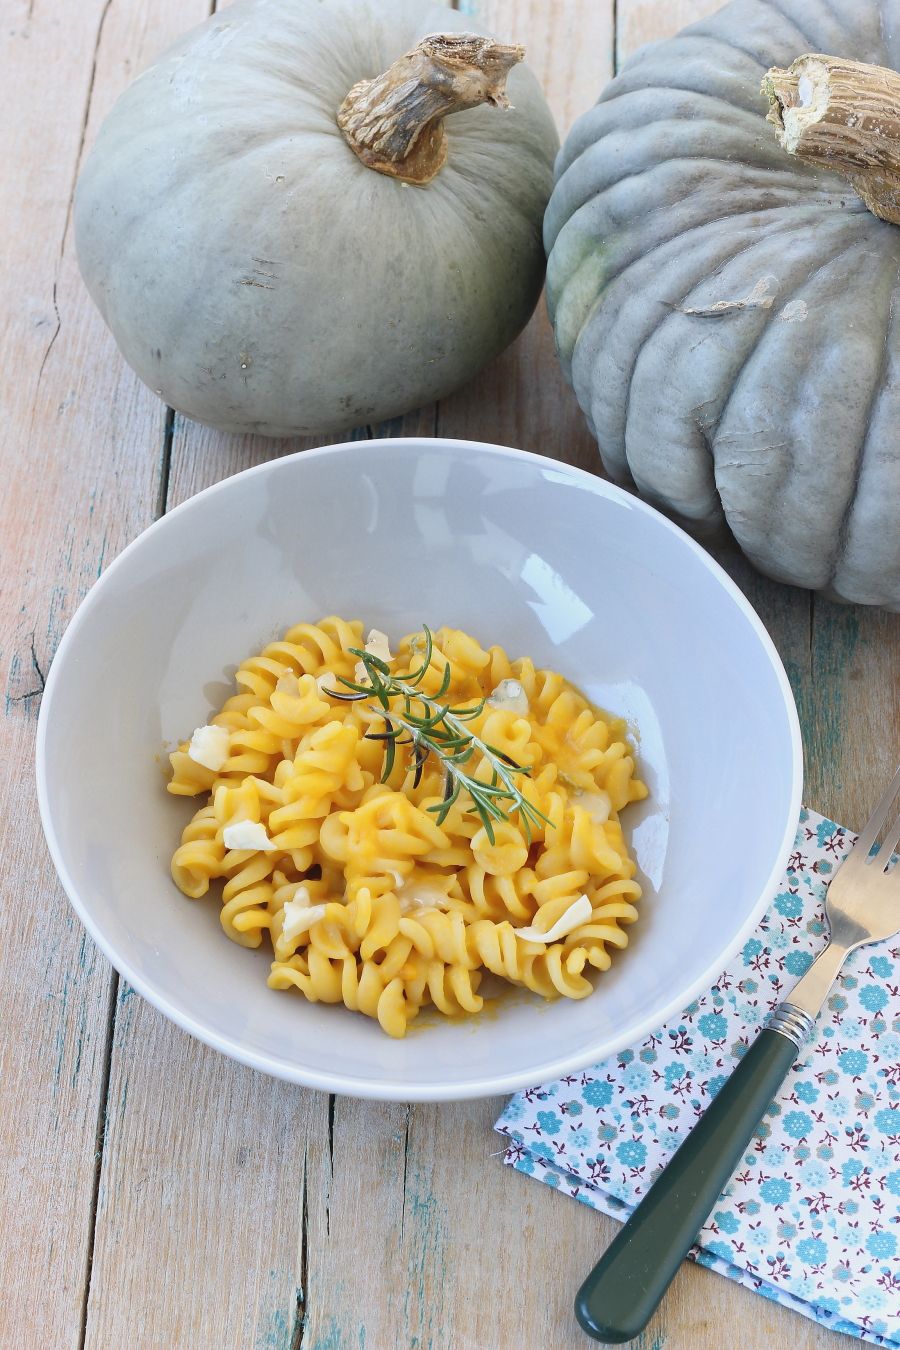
pixel 627 1284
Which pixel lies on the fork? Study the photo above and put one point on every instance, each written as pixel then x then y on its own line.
pixel 627 1284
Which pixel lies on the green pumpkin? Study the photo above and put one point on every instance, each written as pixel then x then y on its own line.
pixel 257 274
pixel 729 316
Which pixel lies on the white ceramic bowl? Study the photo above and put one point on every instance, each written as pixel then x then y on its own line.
pixel 543 559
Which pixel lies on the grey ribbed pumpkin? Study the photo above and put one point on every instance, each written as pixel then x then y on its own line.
pixel 727 314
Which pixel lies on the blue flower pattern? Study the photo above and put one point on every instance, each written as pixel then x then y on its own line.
pixel 811 1218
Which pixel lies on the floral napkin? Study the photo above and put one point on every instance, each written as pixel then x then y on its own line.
pixel 811 1218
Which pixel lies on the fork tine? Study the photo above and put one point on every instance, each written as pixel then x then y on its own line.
pixel 889 847
pixel 870 831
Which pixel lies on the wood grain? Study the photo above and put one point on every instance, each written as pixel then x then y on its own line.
pixel 640 21
pixel 231 1210
pixel 80 461
pixel 522 398
pixel 207 1171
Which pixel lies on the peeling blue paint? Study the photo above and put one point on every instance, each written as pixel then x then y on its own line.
pixel 429 1223
pixel 827 695
pixel 276 1335
pixel 642 1341
pixel 331 1337
pixel 79 1045
pixel 15 670
pixel 59 1039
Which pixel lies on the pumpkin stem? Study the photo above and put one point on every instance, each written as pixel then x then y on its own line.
pixel 394 123
pixel 843 115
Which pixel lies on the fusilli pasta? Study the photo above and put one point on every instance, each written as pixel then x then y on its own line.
pixel 370 891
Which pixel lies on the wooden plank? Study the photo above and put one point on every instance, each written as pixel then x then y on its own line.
pixel 209 1172
pixel 851 709
pixel 641 21
pixel 202 456
pixel 80 466
pixel 521 398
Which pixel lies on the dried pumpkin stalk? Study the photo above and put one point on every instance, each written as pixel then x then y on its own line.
pixel 845 116
pixel 394 122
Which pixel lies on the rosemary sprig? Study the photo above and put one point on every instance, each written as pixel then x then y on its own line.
pixel 431 727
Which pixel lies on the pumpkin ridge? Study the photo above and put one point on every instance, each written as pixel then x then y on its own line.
pixel 583 134
pixel 637 75
pixel 732 112
pixel 689 234
pixel 648 261
pixel 648 337
pixel 814 204
pixel 878 389
pixel 820 198
pixel 708 27
pixel 707 433
pixel 764 562
pixel 642 346
pixel 710 36
pixel 770 161
pixel 809 39
pixel 795 294
pixel 591 134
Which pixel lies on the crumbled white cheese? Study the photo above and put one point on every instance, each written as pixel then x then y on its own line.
pixel 578 913
pixel 416 896
pixel 299 916
pixel 377 645
pixel 209 747
pixel 301 898
pixel 509 696
pixel 287 683
pixel 247 835
pixel 328 683
pixel 597 805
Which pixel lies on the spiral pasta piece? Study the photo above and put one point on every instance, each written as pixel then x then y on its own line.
pixel 200 857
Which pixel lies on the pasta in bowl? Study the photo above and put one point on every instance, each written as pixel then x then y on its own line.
pixel 398 825
pixel 542 561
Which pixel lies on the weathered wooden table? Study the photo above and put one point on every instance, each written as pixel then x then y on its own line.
pixel 154 1193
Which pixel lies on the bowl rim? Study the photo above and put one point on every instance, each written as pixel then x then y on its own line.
pixel 382 1088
